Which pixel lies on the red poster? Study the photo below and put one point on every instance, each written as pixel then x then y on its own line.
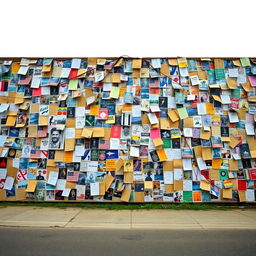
pixel 252 174
pixel 73 74
pixel 103 114
pixel 242 185
pixel 37 92
pixel 115 131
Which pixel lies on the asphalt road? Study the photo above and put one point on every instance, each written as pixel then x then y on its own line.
pixel 62 242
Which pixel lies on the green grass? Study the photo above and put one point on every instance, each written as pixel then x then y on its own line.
pixel 122 206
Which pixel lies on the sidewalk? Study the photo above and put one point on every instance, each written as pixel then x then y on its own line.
pixel 29 216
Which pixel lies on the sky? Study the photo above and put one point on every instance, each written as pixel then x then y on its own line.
pixel 136 28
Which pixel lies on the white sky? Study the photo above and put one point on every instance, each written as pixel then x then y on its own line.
pixel 138 28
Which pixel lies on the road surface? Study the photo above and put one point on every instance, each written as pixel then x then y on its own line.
pixel 103 242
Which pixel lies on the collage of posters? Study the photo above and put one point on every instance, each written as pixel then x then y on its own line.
pixel 128 129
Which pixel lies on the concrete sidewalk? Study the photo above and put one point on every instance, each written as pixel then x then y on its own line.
pixel 29 216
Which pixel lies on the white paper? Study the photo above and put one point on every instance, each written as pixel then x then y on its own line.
pixel 16 163
pixel 191 97
pixel 8 183
pixel 236 156
pixel 80 191
pixel 79 150
pixel 107 87
pixel 76 63
pixel 45 90
pixel 61 184
pixel 188 132
pixel 44 144
pixel 152 118
pixel 23 70
pixel 168 177
pixel 156 63
pixel 249 195
pixel 233 117
pixel 187 164
pixel 123 77
pixel 70 133
pixel 35 82
pixel 197 121
pixel 233 72
pixel 136 110
pixel 90 100
pixel 249 129
pixel 80 111
pixel 80 122
pixel 154 108
pixel 65 72
pixel 184 72
pixel 99 76
pixel 53 177
pixel 194 80
pixel 225 99
pixel 4 152
pixel 14 107
pixel 178 174
pixel 4 107
pixel 114 143
pixel 201 108
pixel 172 102
pixel 3 173
pixel 24 62
pixel 138 176
pixel 201 164
pixel 134 151
pixel 2 140
pixel 92 166
pixel 173 153
pixel 66 192
pixel 136 130
pixel 26 150
pixel 187 185
pixel 95 189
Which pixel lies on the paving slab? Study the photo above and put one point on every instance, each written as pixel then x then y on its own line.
pixel 11 212
pixel 251 213
pixel 92 218
pixel 36 216
pixel 163 219
pixel 224 219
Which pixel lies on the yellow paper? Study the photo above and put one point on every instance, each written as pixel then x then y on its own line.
pixel 161 154
pixel 31 186
pixel 110 165
pixel 98 132
pixel 232 83
pixel 216 163
pixel 87 132
pixel 126 195
pixel 114 93
pixel 148 185
pixel 11 121
pixel 136 63
pixel 69 144
pixel 227 193
pixel 205 185
pixel 173 115
pixel 94 110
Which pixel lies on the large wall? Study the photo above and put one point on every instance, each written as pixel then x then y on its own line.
pixel 128 130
